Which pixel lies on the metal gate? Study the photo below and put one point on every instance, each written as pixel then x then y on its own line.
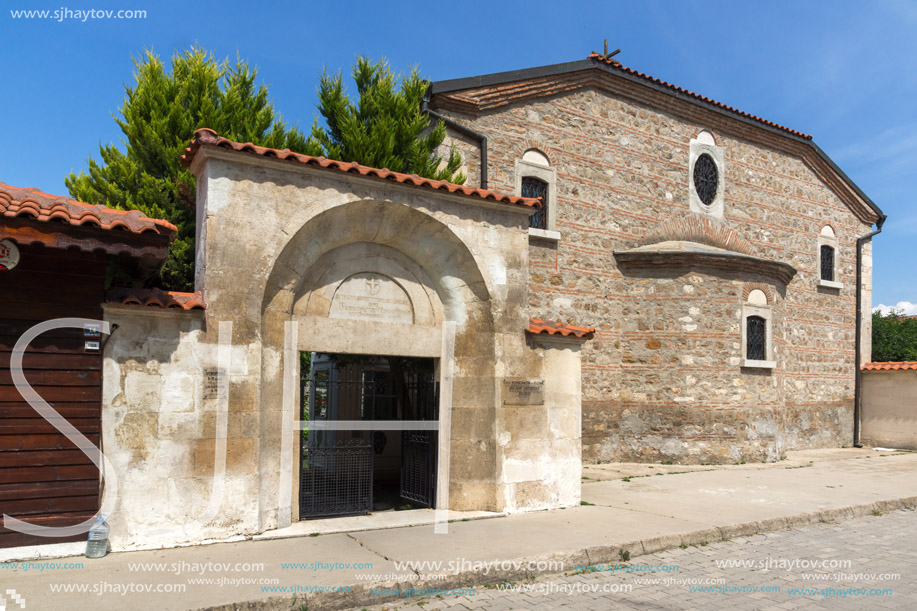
pixel 336 469
pixel 419 451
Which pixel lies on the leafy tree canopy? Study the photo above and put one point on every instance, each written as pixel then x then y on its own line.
pixel 159 115
pixel 894 337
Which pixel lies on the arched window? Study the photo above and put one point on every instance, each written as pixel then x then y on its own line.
pixel 536 178
pixel 828 259
pixel 756 338
pixel 535 187
pixel 757 320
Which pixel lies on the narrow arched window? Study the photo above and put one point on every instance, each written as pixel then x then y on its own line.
pixel 535 187
pixel 828 259
pixel 827 262
pixel 756 338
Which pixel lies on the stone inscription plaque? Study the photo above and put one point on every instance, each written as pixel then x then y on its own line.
pixel 523 392
pixel 211 383
pixel 368 296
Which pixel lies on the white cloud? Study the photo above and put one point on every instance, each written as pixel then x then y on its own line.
pixel 907 307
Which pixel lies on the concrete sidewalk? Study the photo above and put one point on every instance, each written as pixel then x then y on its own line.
pixel 635 508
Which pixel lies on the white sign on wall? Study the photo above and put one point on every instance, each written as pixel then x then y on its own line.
pixel 9 255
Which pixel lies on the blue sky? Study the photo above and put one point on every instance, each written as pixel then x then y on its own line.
pixel 840 70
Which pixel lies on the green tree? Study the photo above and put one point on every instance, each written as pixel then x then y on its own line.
pixel 385 128
pixel 162 110
pixel 158 117
pixel 894 337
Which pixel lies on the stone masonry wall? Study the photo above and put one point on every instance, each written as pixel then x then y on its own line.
pixel 160 429
pixel 661 380
pixel 474 259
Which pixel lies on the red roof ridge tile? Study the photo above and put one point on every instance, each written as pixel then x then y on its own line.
pixel 538 326
pixel 157 298
pixel 618 65
pixel 208 137
pixel 890 366
pixel 40 206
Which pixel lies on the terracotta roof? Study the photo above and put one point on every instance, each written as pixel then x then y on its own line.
pixel 208 137
pixel 156 298
pixel 551 327
pixel 39 206
pixel 891 366
pixel 615 64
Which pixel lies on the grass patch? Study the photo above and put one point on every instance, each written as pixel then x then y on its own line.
pixel 587 504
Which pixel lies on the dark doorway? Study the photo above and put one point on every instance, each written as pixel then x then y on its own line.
pixel 357 468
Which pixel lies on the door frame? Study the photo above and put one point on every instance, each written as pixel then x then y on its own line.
pixel 321 334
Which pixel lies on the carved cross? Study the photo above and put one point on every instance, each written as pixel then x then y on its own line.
pixel 373 284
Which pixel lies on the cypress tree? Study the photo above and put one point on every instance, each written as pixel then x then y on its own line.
pixel 158 117
pixel 163 108
pixel 385 128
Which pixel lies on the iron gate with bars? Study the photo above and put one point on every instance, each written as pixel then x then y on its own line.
pixel 336 474
pixel 419 450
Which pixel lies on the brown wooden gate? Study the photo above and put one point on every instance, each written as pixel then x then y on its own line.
pixel 43 478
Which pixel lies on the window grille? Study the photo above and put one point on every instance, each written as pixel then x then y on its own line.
pixel 756 339
pixel 706 179
pixel 827 263
pixel 535 187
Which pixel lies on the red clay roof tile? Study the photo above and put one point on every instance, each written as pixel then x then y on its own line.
pixel 30 202
pixel 891 366
pixel 616 64
pixel 208 137
pixel 551 327
pixel 156 298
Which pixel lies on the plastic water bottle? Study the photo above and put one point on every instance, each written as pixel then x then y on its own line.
pixel 97 546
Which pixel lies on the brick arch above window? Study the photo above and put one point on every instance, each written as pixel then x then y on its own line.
pixel 748 287
pixel 536 156
pixel 706 136
pixel 536 144
pixel 700 229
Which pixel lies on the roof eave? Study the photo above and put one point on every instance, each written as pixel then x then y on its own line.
pixel 849 182
pixel 205 152
pixel 497 78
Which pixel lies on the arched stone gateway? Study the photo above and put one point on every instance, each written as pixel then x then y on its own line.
pixel 365 270
pixel 382 278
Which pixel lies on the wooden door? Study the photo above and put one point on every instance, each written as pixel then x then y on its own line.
pixel 43 478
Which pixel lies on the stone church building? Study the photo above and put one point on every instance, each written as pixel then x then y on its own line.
pixel 633 272
pixel 714 252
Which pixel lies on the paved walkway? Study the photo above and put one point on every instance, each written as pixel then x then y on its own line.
pixel 866 563
pixel 635 515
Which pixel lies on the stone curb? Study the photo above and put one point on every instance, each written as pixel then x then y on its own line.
pixel 361 594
